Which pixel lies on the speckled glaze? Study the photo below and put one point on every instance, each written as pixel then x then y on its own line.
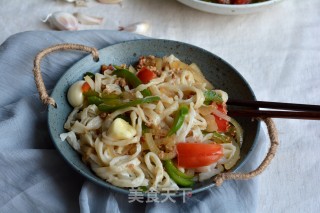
pixel 217 71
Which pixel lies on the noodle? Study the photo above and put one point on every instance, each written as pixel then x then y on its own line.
pixel 133 155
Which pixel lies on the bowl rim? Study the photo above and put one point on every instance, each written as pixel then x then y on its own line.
pixel 234 6
pixel 122 190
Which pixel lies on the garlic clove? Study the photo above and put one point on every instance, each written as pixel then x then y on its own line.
pixel 62 21
pixel 121 130
pixel 110 1
pixel 139 27
pixel 87 19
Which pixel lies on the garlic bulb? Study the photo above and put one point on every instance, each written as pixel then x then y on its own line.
pixel 110 1
pixel 62 21
pixel 89 20
pixel 139 27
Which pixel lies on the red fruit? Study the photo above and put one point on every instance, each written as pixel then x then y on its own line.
pixel 194 155
pixel 222 124
pixel 146 75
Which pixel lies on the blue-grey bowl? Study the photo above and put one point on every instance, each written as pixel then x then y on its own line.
pixel 221 74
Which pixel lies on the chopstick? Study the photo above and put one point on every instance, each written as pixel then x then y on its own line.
pixel 273 105
pixel 308 115
pixel 288 110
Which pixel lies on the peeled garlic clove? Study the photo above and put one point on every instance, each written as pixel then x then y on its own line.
pixel 121 130
pixel 139 27
pixel 110 1
pixel 62 21
pixel 86 19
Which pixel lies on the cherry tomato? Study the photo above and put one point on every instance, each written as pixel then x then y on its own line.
pixel 222 124
pixel 85 87
pixel 146 75
pixel 193 155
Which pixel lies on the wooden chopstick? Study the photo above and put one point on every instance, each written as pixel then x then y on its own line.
pixel 274 105
pixel 308 115
pixel 292 111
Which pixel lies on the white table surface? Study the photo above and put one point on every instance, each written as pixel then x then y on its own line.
pixel 277 51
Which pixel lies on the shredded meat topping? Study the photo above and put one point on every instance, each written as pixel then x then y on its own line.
pixel 150 63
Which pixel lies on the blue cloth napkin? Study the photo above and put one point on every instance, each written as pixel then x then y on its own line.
pixel 35 178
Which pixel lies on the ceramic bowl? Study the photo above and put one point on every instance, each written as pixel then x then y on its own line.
pixel 221 74
pixel 229 9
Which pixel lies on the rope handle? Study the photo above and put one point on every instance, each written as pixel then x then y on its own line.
pixel 45 98
pixel 274 143
pixel 218 179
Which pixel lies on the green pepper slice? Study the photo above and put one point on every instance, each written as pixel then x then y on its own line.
pixel 210 96
pixel 176 177
pixel 169 165
pixel 220 138
pixel 178 119
pixel 143 188
pixel 110 105
pixel 90 93
pixel 94 100
pixel 145 129
pixel 131 79
pixel 109 96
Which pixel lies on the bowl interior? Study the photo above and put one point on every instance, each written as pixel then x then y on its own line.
pixel 217 71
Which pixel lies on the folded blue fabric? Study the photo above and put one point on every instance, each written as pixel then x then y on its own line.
pixel 35 178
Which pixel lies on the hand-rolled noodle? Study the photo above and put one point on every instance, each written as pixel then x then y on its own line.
pixel 125 129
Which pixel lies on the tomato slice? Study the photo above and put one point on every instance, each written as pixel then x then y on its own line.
pixel 222 124
pixel 146 75
pixel 193 155
pixel 85 87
